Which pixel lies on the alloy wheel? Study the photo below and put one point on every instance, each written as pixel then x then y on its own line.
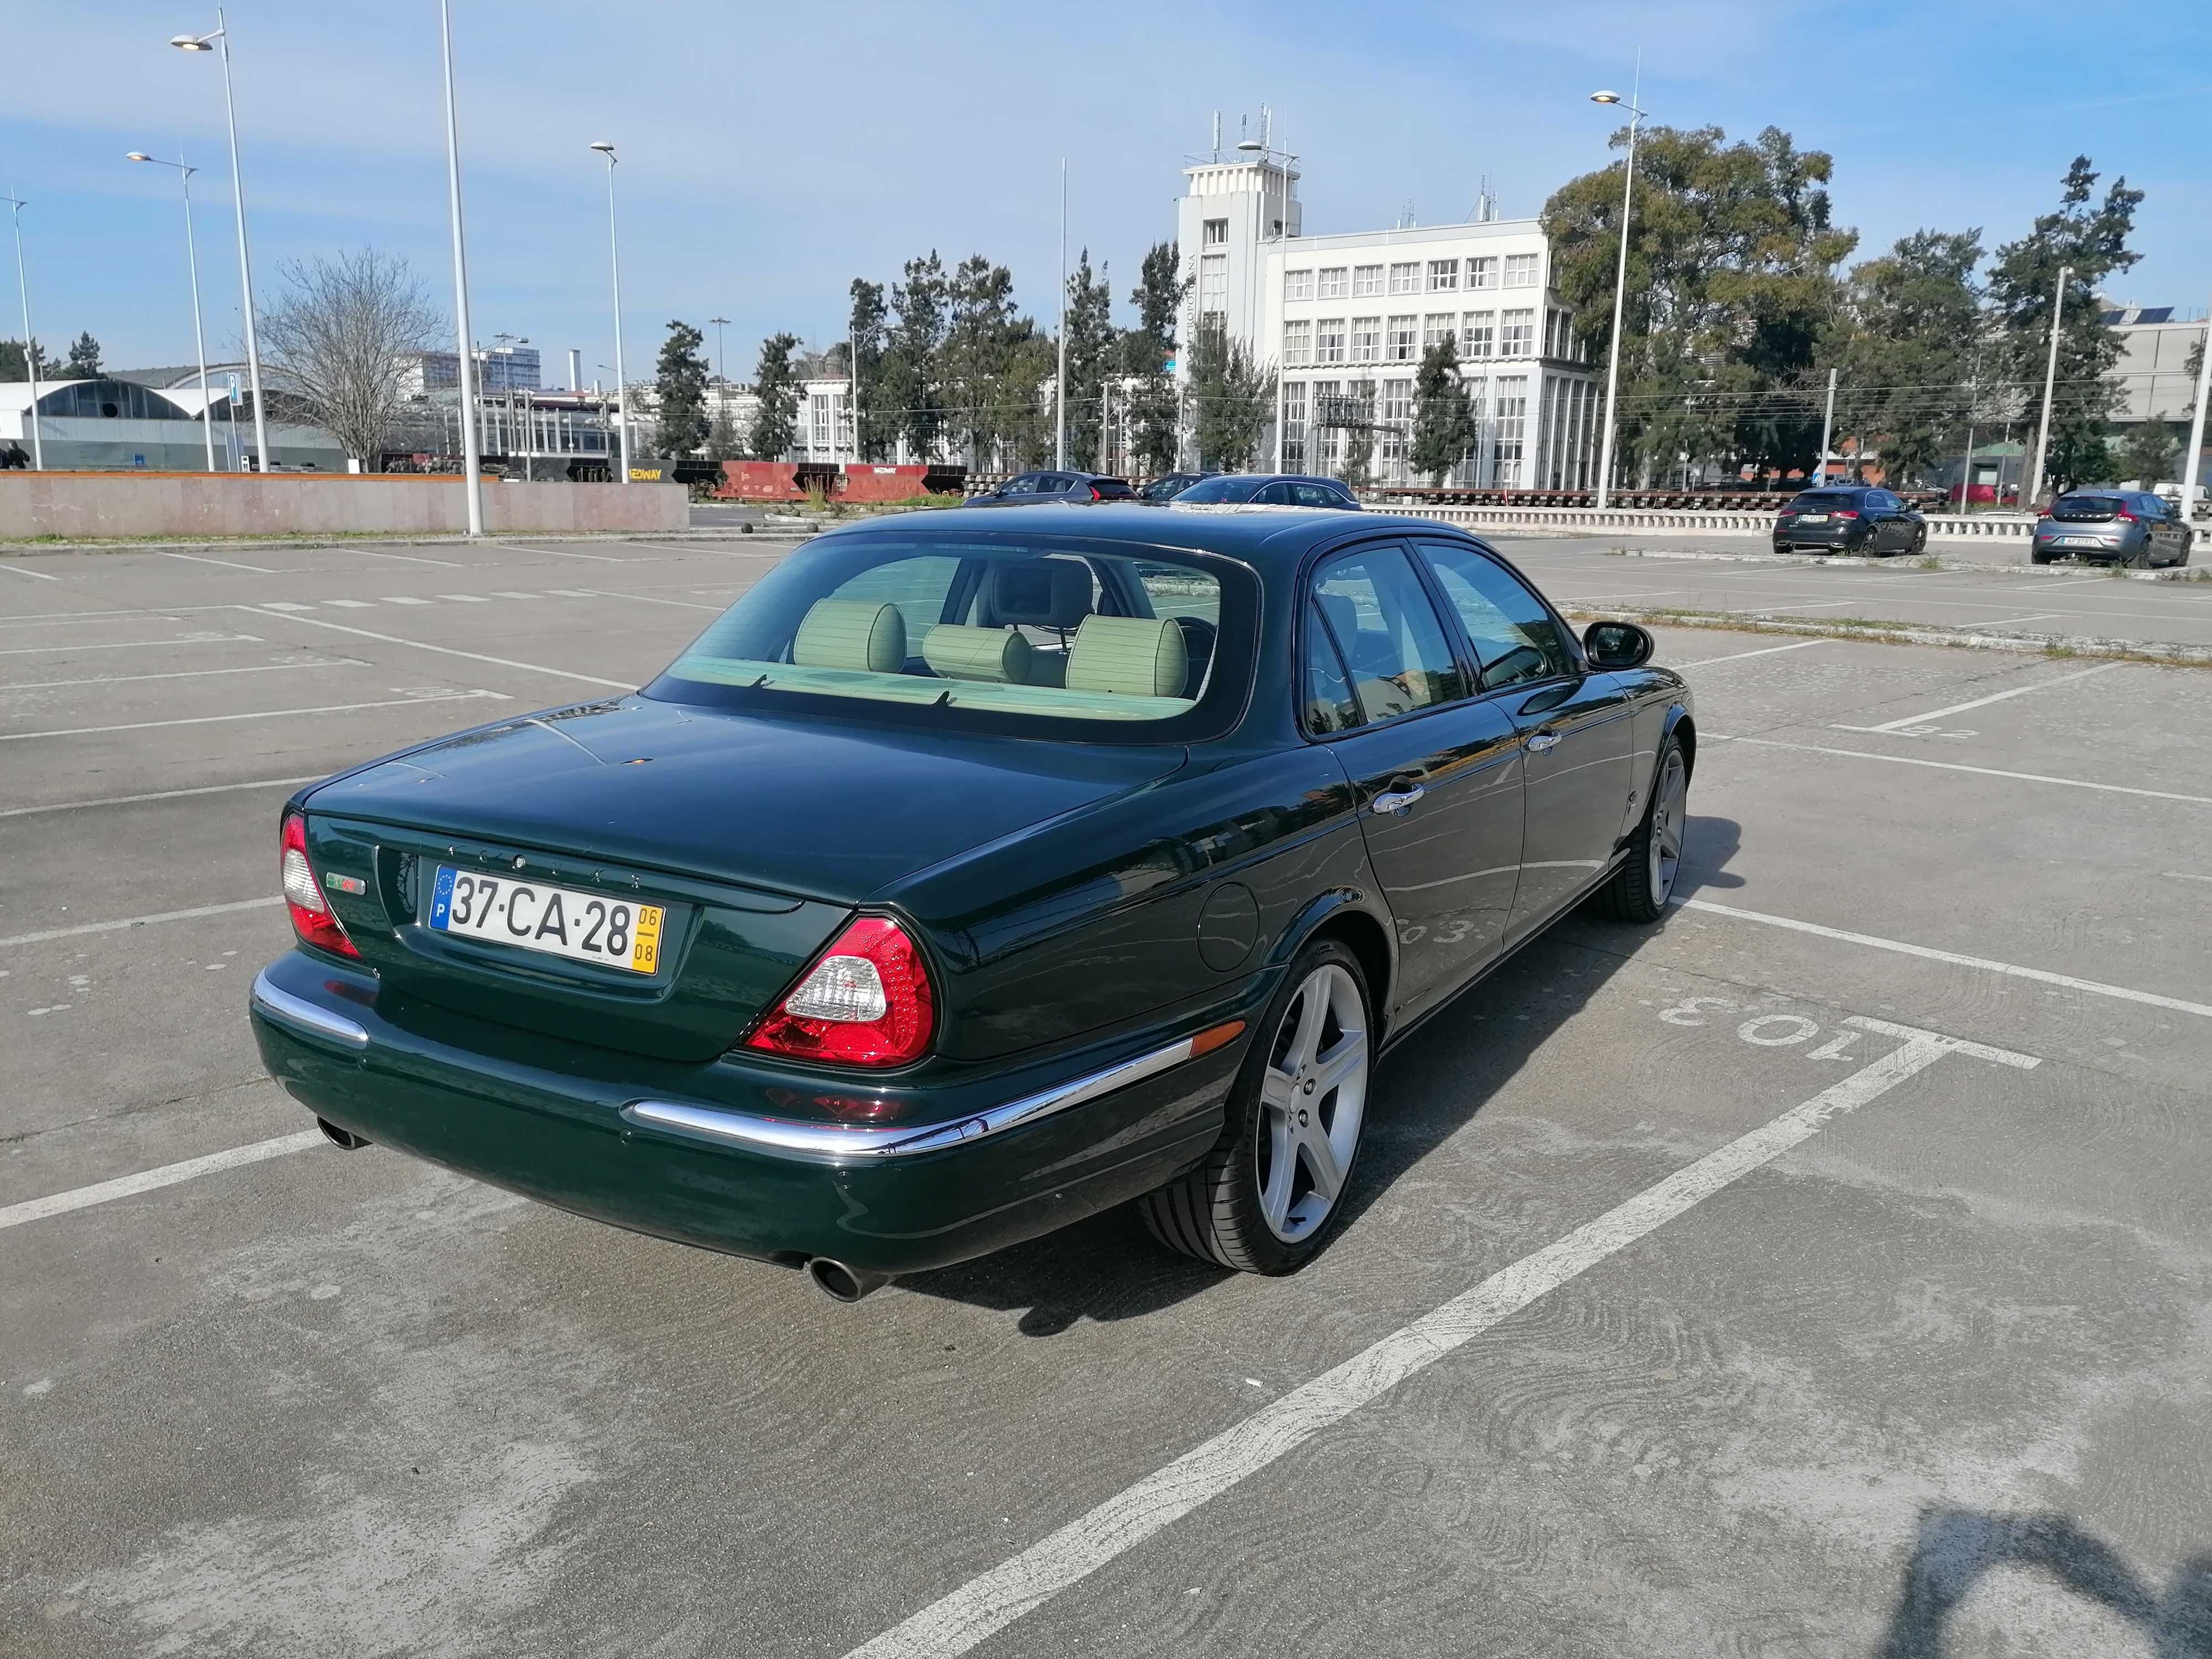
pixel 1667 816
pixel 1312 1096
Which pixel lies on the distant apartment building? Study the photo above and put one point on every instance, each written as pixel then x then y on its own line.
pixel 500 369
pixel 1345 318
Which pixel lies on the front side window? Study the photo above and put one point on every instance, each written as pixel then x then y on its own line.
pixel 1520 270
pixel 1406 278
pixel 1329 341
pixel 1297 284
pixel 1367 339
pixel 1515 641
pixel 1390 636
pixel 1297 342
pixel 1366 279
pixel 1483 272
pixel 1443 275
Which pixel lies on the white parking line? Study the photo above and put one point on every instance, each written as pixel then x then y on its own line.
pixel 1984 702
pixel 984 1606
pixel 1734 656
pixel 15 570
pixel 256 715
pixel 157 795
pixel 194 558
pixel 2185 875
pixel 2009 621
pixel 1958 766
pixel 405 558
pixel 146 1180
pixel 450 651
pixel 179 674
pixel 2012 970
pixel 559 553
pixel 141 922
pixel 2045 585
pixel 640 598
pixel 389 599
pixel 349 605
pixel 129 645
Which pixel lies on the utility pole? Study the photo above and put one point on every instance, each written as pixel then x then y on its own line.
pixel 1060 379
pixel 2050 378
pixel 1967 468
pixel 614 262
pixel 16 205
pixel 1620 281
pixel 471 450
pixel 2192 461
pixel 1827 425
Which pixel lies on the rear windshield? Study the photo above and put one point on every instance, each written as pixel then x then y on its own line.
pixel 1217 490
pixel 2086 507
pixel 1818 500
pixel 1039 635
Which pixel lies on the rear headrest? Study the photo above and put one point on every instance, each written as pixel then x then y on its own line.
pixel 1040 593
pixel 852 633
pixel 1132 656
pixel 998 654
pixel 1343 616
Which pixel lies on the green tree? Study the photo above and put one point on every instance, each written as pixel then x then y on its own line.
pixel 910 381
pixel 1155 408
pixel 994 364
pixel 1907 333
pixel 1730 287
pixel 2148 451
pixel 84 362
pixel 723 441
pixel 777 387
pixel 1443 419
pixel 13 368
pixel 878 430
pixel 1093 352
pixel 1234 396
pixel 2090 238
pixel 680 382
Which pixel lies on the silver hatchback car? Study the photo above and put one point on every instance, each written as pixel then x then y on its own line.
pixel 2127 526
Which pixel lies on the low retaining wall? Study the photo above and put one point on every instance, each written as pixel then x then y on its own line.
pixel 1665 522
pixel 93 506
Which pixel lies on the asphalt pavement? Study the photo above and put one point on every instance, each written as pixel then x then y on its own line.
pixel 1819 1271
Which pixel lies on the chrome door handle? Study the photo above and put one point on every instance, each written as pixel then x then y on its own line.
pixel 1540 741
pixel 1397 801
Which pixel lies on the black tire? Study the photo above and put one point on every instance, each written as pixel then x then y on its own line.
pixel 1215 1212
pixel 2037 556
pixel 1640 889
pixel 1919 541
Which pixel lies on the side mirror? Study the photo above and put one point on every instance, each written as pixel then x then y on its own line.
pixel 1617 645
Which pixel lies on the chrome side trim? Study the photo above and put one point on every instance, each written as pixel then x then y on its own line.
pixel 834 1143
pixel 296 1012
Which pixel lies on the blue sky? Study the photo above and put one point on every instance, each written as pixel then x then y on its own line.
pixel 769 155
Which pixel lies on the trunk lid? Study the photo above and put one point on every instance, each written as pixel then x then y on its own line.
pixel 756 836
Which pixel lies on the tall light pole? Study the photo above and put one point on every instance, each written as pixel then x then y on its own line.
pixel 16 205
pixel 2192 463
pixel 1619 292
pixel 220 39
pixel 614 255
pixel 720 323
pixel 192 264
pixel 1827 429
pixel 2050 379
pixel 471 445
pixel 1059 377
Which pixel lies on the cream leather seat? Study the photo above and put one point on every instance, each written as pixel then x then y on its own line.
pixel 998 655
pixel 863 634
pixel 1128 656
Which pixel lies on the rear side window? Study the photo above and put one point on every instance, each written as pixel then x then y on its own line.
pixel 1515 641
pixel 1389 635
pixel 1329 704
pixel 1313 494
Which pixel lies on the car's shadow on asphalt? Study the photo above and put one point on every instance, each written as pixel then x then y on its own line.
pixel 1430 1088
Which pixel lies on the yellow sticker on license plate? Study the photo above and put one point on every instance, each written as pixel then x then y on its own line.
pixel 645 947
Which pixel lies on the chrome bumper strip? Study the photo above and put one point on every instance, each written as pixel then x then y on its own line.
pixel 296 1012
pixel 837 1143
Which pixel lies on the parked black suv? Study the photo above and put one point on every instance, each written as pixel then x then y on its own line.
pixel 1029 487
pixel 1848 519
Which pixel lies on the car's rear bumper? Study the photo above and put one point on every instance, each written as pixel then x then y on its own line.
pixel 725 1165
pixel 1818 535
pixel 2091 544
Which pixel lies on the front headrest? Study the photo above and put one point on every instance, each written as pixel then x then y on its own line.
pixel 852 633
pixel 1130 656
pixel 997 654
pixel 1040 593
pixel 1343 616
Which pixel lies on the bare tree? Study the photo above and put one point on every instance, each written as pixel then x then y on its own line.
pixel 340 339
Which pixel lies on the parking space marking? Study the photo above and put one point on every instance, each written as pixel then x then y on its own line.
pixel 559 553
pixel 15 569
pixel 1957 766
pixel 179 674
pixel 2009 621
pixel 1983 702
pixel 451 651
pixel 986 1605
pixel 2047 585
pixel 2013 970
pixel 640 598
pixel 2184 875
pixel 1766 651
pixel 194 558
pixel 405 558
pixel 117 926
pixel 146 1180
pixel 255 715
pixel 155 794
pixel 131 645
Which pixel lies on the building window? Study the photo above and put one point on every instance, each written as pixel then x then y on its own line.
pixel 1214 284
pixel 1437 327
pixel 1329 338
pixel 1367 338
pixel 1366 280
pixel 1215 233
pixel 1512 416
pixel 1298 343
pixel 1298 285
pixel 1294 423
pixel 1333 281
pixel 1397 419
pixel 1517 337
pixel 1328 441
pixel 1520 270
pixel 1477 338
pixel 1482 273
pixel 1406 278
pixel 1443 275
pixel 1404 339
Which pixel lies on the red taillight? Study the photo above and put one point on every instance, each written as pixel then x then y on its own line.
pixel 303 895
pixel 1095 496
pixel 2121 513
pixel 866 1001
pixel 1845 513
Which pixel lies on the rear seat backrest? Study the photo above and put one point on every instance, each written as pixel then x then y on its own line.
pixel 1128 656
pixel 864 634
pixel 997 654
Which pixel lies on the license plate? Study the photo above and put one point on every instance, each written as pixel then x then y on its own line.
pixel 559 921
pixel 2081 541
pixel 1812 518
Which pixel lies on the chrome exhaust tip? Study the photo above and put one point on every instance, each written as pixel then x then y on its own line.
pixel 841 1283
pixel 345 1140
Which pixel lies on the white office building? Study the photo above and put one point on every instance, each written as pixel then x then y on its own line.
pixel 1345 320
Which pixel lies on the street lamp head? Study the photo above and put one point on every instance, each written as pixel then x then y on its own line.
pixel 1251 145
pixel 191 42
pixel 137 156
pixel 1605 98
pixel 604 148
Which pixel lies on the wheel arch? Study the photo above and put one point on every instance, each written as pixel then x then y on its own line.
pixel 1344 915
pixel 1682 727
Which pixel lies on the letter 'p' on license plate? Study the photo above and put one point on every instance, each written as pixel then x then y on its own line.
pixel 557 920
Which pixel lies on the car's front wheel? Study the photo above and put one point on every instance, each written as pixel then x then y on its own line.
pixel 1269 1191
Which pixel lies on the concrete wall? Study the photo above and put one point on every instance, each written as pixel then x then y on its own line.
pixel 93 505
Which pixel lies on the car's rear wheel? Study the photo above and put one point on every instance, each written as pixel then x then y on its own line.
pixel 1640 889
pixel 1268 1192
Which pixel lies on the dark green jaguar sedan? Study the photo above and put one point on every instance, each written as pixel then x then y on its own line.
pixel 975 872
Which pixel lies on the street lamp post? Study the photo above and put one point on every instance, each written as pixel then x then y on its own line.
pixel 1059 377
pixel 16 205
pixel 192 264
pixel 1620 294
pixel 220 40
pixel 2192 462
pixel 614 257
pixel 471 448
pixel 2050 379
